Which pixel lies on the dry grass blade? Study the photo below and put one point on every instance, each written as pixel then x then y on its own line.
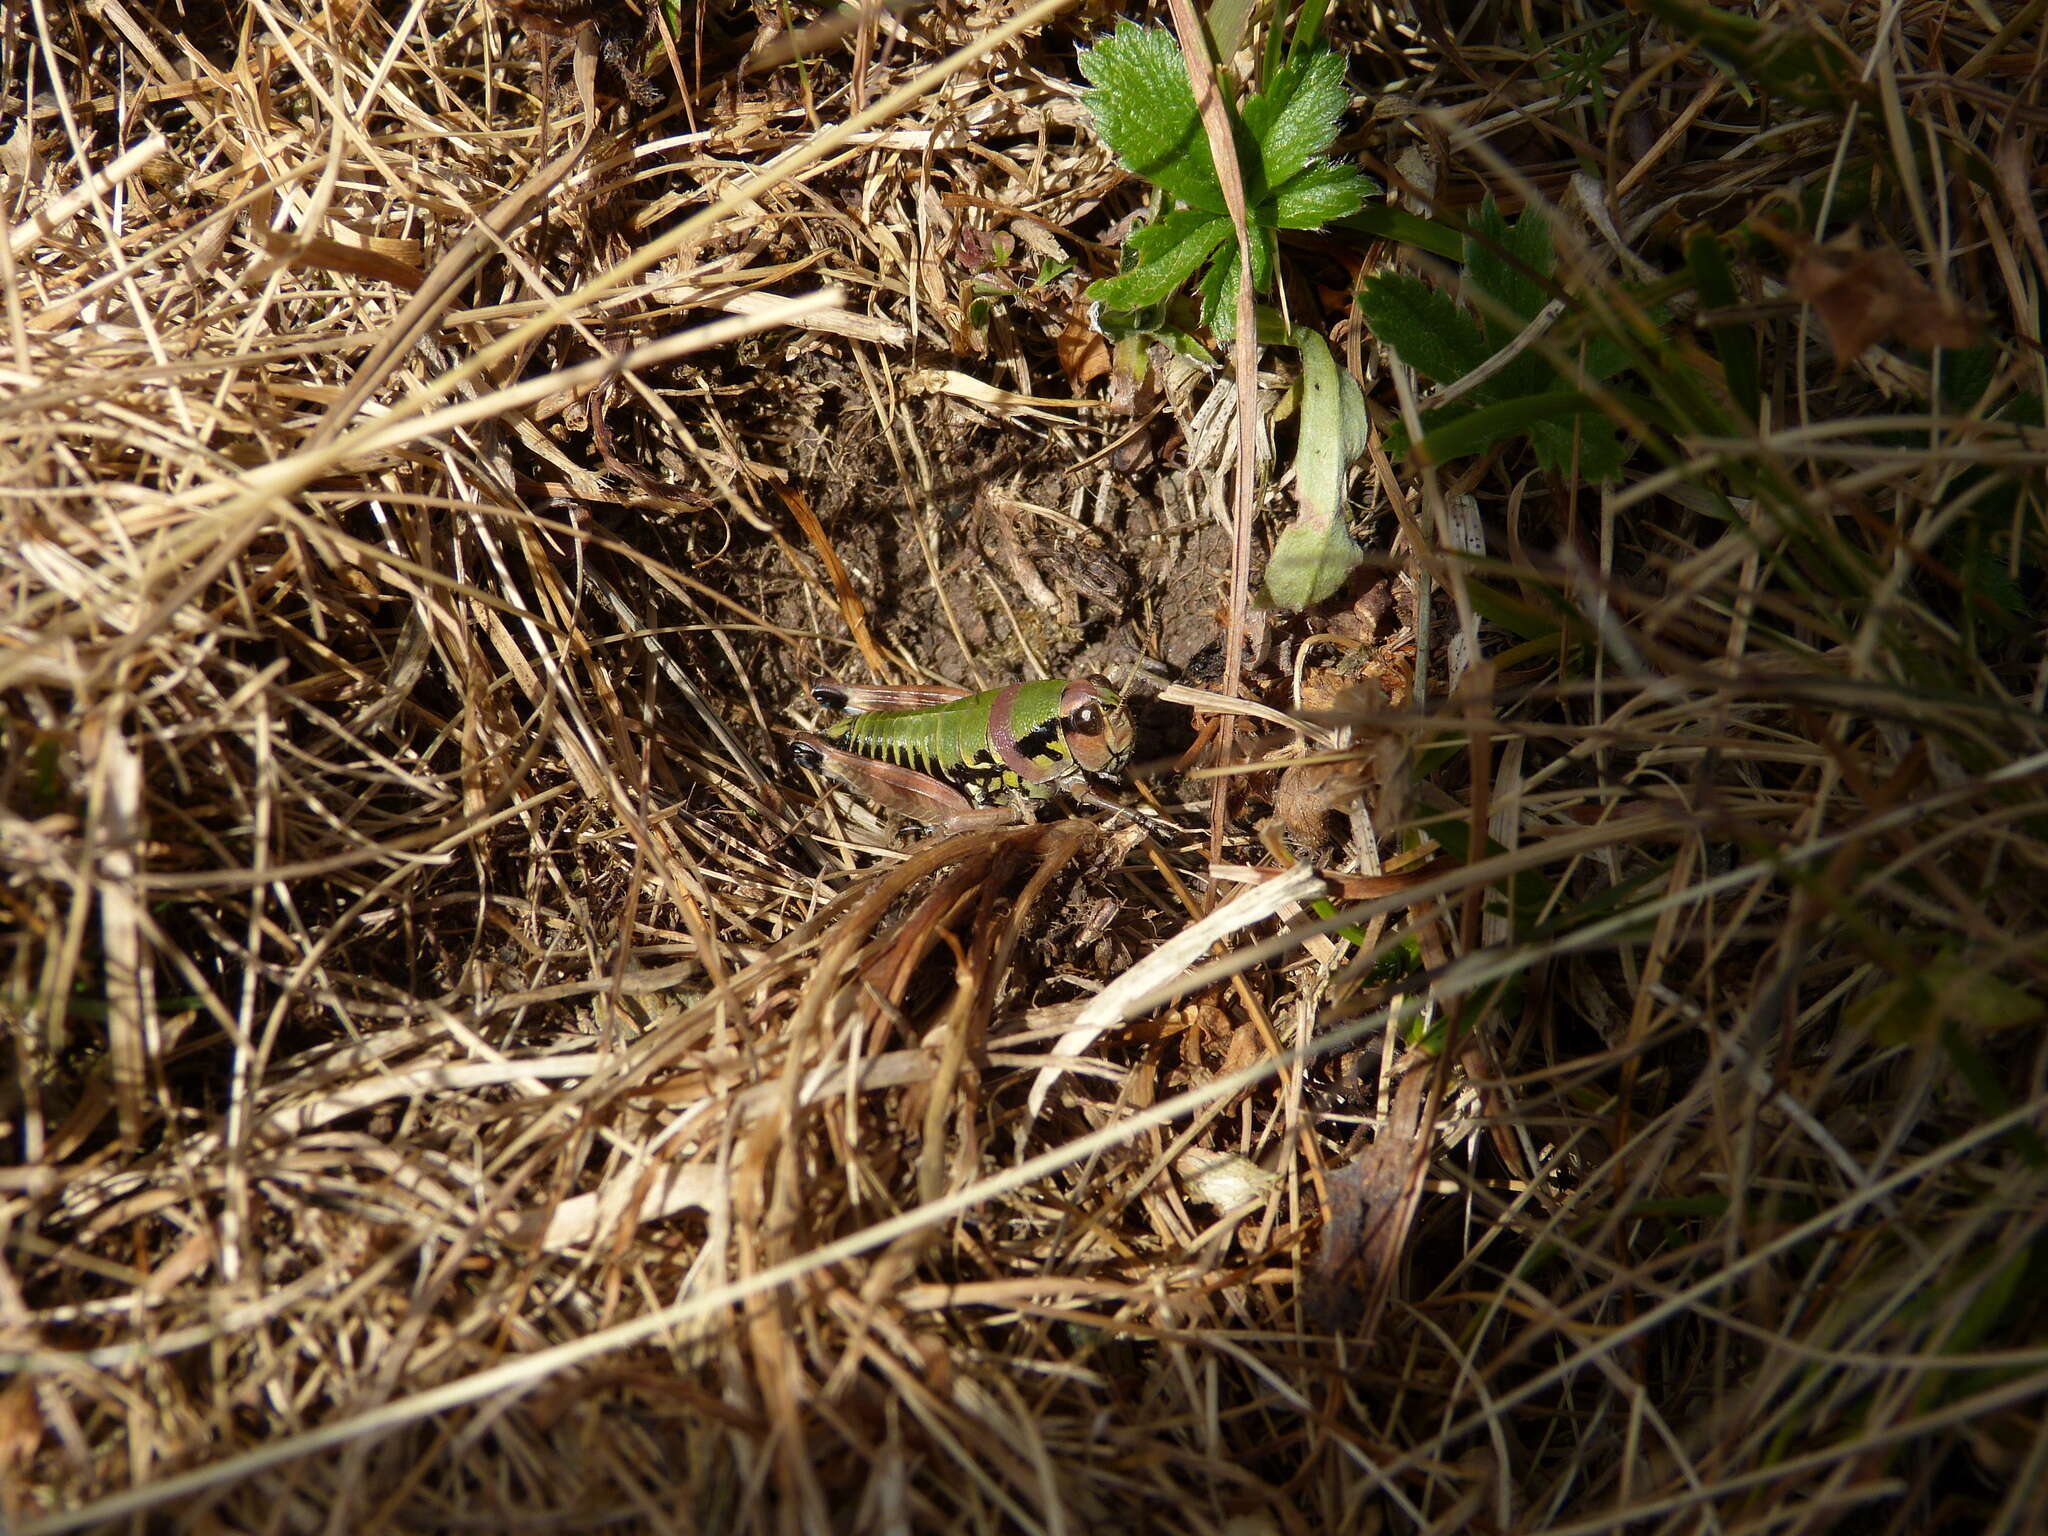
pixel 1217 124
pixel 851 608
pixel 1578 1065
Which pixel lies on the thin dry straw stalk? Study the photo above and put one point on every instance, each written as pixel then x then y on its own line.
pixel 1157 974
pixel 56 213
pixel 703 1310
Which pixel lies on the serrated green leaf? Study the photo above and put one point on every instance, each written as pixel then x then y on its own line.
pixel 1265 254
pixel 1219 283
pixel 1496 254
pixel 1317 196
pixel 1586 441
pixel 1605 357
pixel 1426 330
pixel 1296 118
pixel 1144 108
pixel 1166 255
pixel 1219 294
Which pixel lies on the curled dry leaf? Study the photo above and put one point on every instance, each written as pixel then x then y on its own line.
pixel 1225 1180
pixel 1083 352
pixel 1313 795
pixel 1364 618
pixel 1867 297
pixel 1372 1205
pixel 1321 687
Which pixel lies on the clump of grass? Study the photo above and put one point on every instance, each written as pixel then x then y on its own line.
pixel 457 1074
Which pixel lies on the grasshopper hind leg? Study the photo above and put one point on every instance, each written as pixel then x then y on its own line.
pixel 909 793
pixel 861 699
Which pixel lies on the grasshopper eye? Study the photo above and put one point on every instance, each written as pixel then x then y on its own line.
pixel 1097 731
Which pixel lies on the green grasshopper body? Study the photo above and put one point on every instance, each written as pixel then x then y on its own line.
pixel 956 759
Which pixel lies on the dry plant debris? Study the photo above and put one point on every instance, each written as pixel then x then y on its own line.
pixel 459 1077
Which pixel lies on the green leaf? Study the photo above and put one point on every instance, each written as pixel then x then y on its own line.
pixel 1312 558
pixel 1433 336
pixel 1265 253
pixel 1426 330
pixel 1605 357
pixel 1531 621
pixel 1472 432
pixel 1219 295
pixel 1735 345
pixel 1586 441
pixel 1964 373
pixel 1409 229
pixel 1496 254
pixel 1310 561
pixel 1945 990
pixel 1318 196
pixel 1219 283
pixel 1295 120
pixel 1335 427
pixel 1566 429
pixel 1165 255
pixel 1144 108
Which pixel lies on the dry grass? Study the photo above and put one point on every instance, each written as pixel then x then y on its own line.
pixel 462 1080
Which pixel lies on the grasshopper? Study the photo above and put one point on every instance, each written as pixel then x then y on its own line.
pixel 955 759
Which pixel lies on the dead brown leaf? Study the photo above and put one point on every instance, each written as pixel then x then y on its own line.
pixel 1373 1200
pixel 1312 796
pixel 21 1434
pixel 1083 353
pixel 1867 297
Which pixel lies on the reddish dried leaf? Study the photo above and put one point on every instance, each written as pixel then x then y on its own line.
pixel 1084 355
pixel 1866 297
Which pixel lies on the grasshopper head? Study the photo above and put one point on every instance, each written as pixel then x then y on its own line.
pixel 1097 730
